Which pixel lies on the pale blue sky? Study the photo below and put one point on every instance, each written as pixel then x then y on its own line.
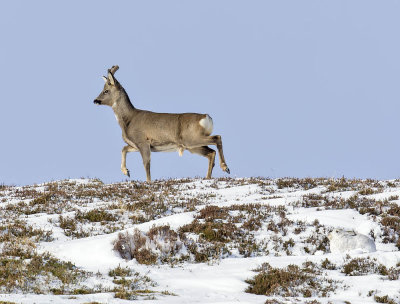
pixel 295 88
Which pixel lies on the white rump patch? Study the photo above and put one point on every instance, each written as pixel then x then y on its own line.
pixel 207 124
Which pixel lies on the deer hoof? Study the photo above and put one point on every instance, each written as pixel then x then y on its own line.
pixel 125 172
pixel 227 170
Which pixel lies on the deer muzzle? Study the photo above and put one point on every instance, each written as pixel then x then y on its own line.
pixel 96 101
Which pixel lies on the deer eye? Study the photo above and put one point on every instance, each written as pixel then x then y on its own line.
pixel 106 92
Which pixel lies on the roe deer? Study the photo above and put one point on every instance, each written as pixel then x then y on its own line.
pixel 147 132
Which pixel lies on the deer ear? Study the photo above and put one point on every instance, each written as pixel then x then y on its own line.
pixel 111 78
pixel 104 78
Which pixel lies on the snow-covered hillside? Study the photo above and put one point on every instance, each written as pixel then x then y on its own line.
pixel 252 240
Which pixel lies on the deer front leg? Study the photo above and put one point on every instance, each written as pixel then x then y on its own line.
pixel 145 151
pixel 125 150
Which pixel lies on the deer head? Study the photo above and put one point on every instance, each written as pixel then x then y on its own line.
pixel 111 89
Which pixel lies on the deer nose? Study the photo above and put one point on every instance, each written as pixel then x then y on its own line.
pixel 96 101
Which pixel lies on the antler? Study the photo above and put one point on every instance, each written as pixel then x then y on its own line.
pixel 113 69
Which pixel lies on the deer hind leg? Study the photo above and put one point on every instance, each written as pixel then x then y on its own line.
pixel 222 162
pixel 125 150
pixel 206 152
pixel 145 152
pixel 217 141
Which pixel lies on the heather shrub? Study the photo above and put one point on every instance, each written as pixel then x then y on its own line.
pixel 159 244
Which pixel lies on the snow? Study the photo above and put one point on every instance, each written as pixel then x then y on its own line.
pixel 348 219
pixel 223 281
pixel 96 253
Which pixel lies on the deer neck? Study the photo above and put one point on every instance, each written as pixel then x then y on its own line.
pixel 123 110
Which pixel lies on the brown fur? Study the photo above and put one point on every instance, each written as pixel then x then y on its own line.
pixel 146 131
